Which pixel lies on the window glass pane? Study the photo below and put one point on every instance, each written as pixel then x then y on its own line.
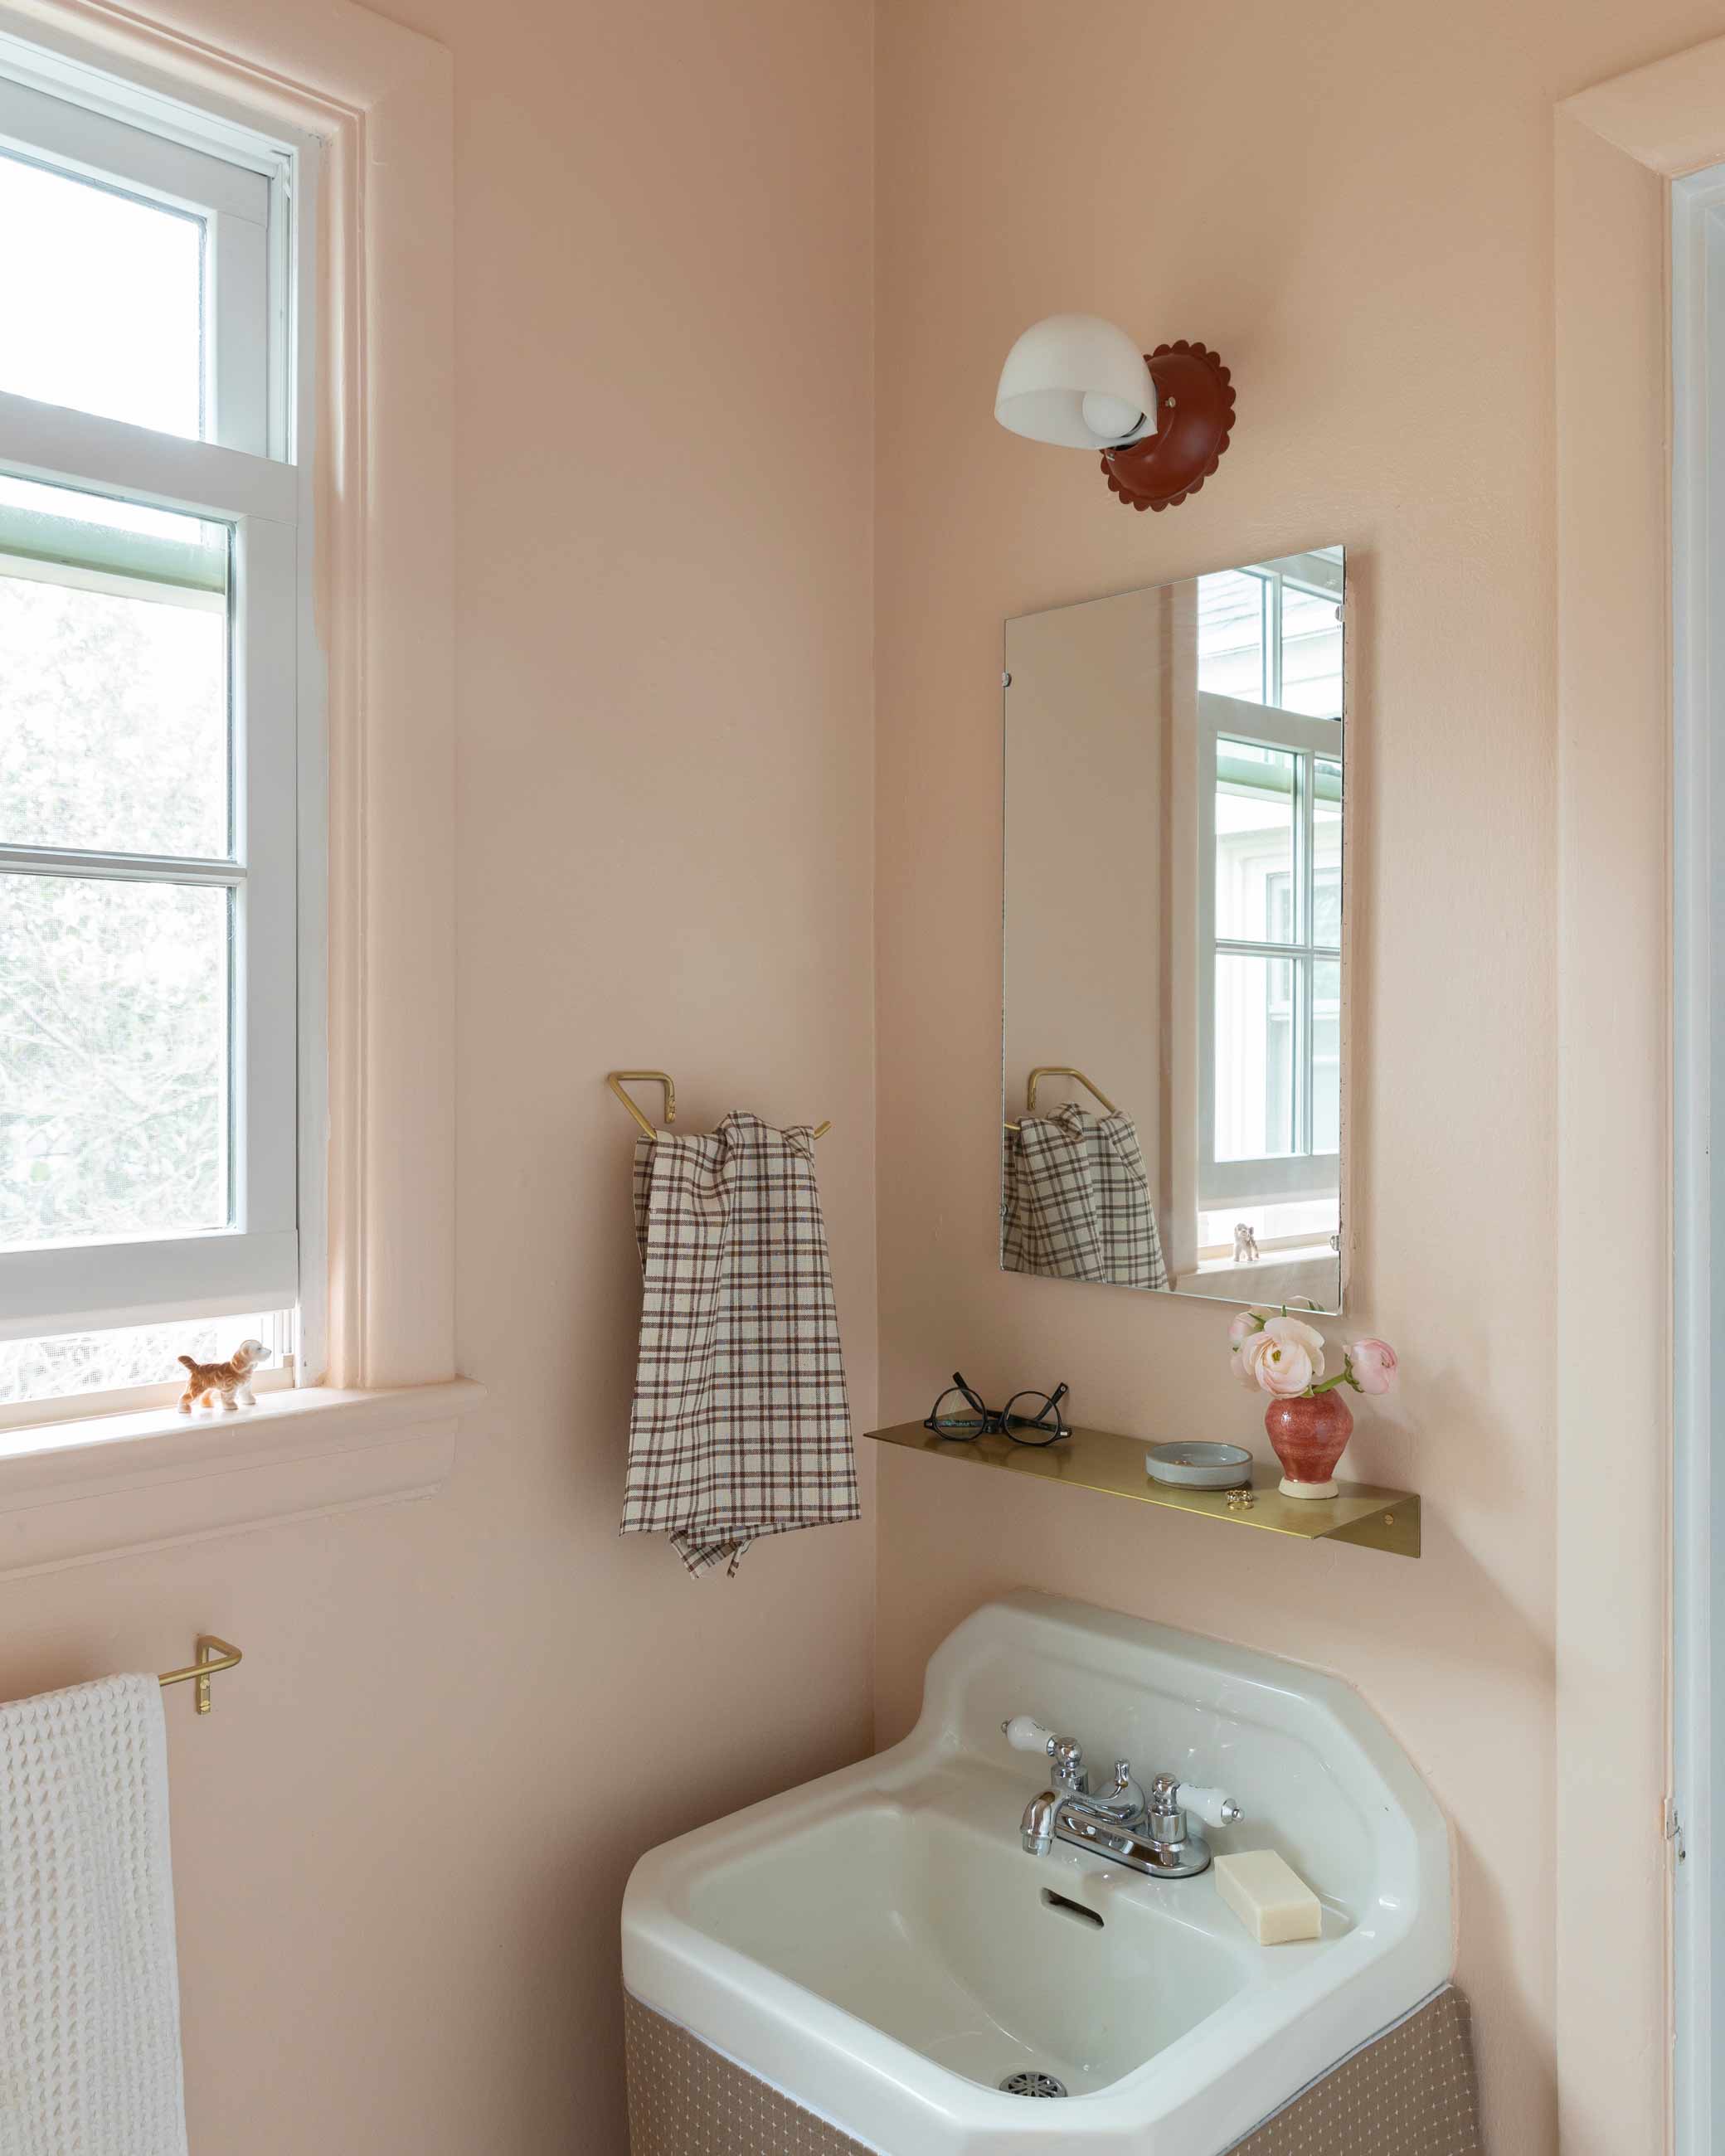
pixel 1311 653
pixel 1255 1056
pixel 123 1356
pixel 1327 855
pixel 114 722
pixel 103 300
pixel 113 1060
pixel 1230 636
pixel 1255 844
pixel 1326 1056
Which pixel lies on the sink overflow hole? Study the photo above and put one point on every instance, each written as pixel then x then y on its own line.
pixel 1053 1901
pixel 1033 2084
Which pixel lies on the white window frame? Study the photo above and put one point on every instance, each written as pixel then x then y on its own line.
pixel 233 479
pixel 374 1418
pixel 240 190
pixel 1300 1174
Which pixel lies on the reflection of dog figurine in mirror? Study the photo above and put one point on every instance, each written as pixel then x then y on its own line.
pixel 229 1381
pixel 1245 1245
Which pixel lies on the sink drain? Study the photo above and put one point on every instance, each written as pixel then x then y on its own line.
pixel 1031 2084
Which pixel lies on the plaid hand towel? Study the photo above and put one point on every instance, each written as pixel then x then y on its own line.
pixel 741 1425
pixel 1076 1204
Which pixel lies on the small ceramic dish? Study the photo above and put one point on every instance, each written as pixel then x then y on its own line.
pixel 1200 1466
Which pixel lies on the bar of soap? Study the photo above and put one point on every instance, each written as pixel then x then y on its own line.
pixel 1269 1897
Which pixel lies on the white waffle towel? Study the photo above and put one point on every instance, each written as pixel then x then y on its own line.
pixel 89 2004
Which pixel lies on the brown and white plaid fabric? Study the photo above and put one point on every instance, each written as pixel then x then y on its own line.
pixel 1076 1201
pixel 741 1425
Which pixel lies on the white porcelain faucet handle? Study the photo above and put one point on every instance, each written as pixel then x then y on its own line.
pixel 1214 1807
pixel 1024 1735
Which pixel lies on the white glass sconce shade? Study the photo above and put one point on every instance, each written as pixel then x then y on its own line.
pixel 1078 381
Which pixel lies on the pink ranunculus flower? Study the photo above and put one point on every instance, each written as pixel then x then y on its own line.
pixel 1280 1364
pixel 1241 1326
pixel 1374 1365
pixel 1297 1333
pixel 1241 1368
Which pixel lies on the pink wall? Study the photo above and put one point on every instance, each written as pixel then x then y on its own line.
pixel 399 1840
pixel 1355 205
pixel 402 1837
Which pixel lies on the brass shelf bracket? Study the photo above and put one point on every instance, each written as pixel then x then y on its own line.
pixel 213 1654
pixel 617 1079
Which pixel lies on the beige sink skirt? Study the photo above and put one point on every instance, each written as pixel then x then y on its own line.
pixel 1408 2093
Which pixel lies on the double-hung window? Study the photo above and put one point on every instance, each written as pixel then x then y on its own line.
pixel 1270 683
pixel 150 759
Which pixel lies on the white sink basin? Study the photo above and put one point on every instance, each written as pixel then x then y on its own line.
pixel 878 1946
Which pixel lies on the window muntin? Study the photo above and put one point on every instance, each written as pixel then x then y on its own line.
pixel 149 756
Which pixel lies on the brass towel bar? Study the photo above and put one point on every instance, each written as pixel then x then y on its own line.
pixel 1061 1070
pixel 617 1079
pixel 213 1654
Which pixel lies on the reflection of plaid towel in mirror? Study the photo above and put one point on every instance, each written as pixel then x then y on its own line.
pixel 741 1425
pixel 1076 1201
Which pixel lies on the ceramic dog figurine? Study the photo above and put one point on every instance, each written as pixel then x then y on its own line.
pixel 1245 1243
pixel 229 1382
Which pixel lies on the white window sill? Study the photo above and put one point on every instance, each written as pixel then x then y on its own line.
pixel 1296 1254
pixel 72 1492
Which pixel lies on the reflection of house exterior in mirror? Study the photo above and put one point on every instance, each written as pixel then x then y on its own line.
pixel 1173 937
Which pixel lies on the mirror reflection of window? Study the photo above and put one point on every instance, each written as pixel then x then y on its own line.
pixel 1327 1055
pixel 1277 1055
pixel 1186 743
pixel 1231 644
pixel 1254 843
pixel 1265 636
pixel 1311 644
pixel 1269 680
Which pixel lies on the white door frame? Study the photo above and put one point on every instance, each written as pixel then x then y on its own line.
pixel 1618 148
pixel 1698 1134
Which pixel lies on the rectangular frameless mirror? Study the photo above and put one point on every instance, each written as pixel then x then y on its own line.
pixel 1174 1107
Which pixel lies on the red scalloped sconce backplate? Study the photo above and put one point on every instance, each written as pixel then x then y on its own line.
pixel 1195 417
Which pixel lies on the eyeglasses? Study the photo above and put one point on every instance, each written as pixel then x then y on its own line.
pixel 959 1415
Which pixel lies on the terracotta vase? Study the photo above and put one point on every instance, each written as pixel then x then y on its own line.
pixel 1309 1436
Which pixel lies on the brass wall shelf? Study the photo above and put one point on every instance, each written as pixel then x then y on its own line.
pixel 1371 1518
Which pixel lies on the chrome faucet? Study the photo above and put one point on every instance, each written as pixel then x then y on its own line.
pixel 1148 1833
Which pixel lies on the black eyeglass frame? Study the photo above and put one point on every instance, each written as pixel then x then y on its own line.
pixel 998 1422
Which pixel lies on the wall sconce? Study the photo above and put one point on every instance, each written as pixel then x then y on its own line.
pixel 1161 420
